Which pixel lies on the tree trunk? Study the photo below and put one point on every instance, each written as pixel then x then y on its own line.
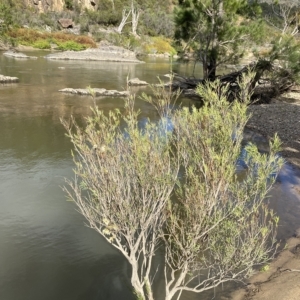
pixel 211 69
pixel 125 15
pixel 138 286
pixel 209 65
pixel 135 14
pixel 135 282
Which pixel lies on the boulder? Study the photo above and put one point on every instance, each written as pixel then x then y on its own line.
pixel 96 92
pixel 66 23
pixel 8 79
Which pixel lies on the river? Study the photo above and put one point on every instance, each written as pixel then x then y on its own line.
pixel 46 252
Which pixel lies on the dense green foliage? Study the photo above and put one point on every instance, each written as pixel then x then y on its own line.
pixel 216 29
pixel 156 18
pixel 5 16
pixel 283 18
pixel 6 20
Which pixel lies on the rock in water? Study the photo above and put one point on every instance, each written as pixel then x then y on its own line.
pixel 137 82
pixel 8 79
pixel 95 91
pixel 14 54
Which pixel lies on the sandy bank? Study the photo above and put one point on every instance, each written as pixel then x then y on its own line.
pixel 104 53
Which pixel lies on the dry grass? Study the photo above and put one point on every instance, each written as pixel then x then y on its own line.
pixel 29 37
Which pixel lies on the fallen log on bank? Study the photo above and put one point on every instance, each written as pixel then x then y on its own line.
pixel 268 81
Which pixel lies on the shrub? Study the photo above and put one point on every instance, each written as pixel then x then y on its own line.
pixel 159 45
pixel 69 4
pixel 105 17
pixel 70 45
pixel 27 36
pixel 85 40
pixel 50 19
pixel 42 44
pixel 84 24
pixel 157 23
pixel 219 227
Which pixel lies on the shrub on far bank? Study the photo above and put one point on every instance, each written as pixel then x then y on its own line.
pixel 142 45
pixel 42 40
pixel 126 40
pixel 42 44
pixel 155 23
pixel 70 45
pixel 158 45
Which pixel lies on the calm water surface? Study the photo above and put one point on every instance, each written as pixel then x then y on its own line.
pixel 46 252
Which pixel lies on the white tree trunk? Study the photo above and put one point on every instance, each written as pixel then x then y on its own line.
pixel 138 283
pixel 135 18
pixel 113 4
pixel 125 15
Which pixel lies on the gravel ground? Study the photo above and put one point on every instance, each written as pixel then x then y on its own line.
pixel 281 116
pixel 281 281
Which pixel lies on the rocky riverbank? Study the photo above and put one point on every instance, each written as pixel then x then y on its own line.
pixel 281 116
pixel 280 279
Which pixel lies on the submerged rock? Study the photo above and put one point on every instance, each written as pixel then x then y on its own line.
pixel 96 92
pixel 104 53
pixel 137 82
pixel 12 53
pixel 8 79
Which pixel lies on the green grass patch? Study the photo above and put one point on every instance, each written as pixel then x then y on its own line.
pixel 70 45
pixel 42 44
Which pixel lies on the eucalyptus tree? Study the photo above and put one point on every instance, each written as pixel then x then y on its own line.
pixel 283 15
pixel 135 13
pixel 173 191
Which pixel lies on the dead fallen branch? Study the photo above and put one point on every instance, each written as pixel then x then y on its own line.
pixel 268 82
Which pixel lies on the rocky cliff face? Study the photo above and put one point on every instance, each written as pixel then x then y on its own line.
pixel 58 5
